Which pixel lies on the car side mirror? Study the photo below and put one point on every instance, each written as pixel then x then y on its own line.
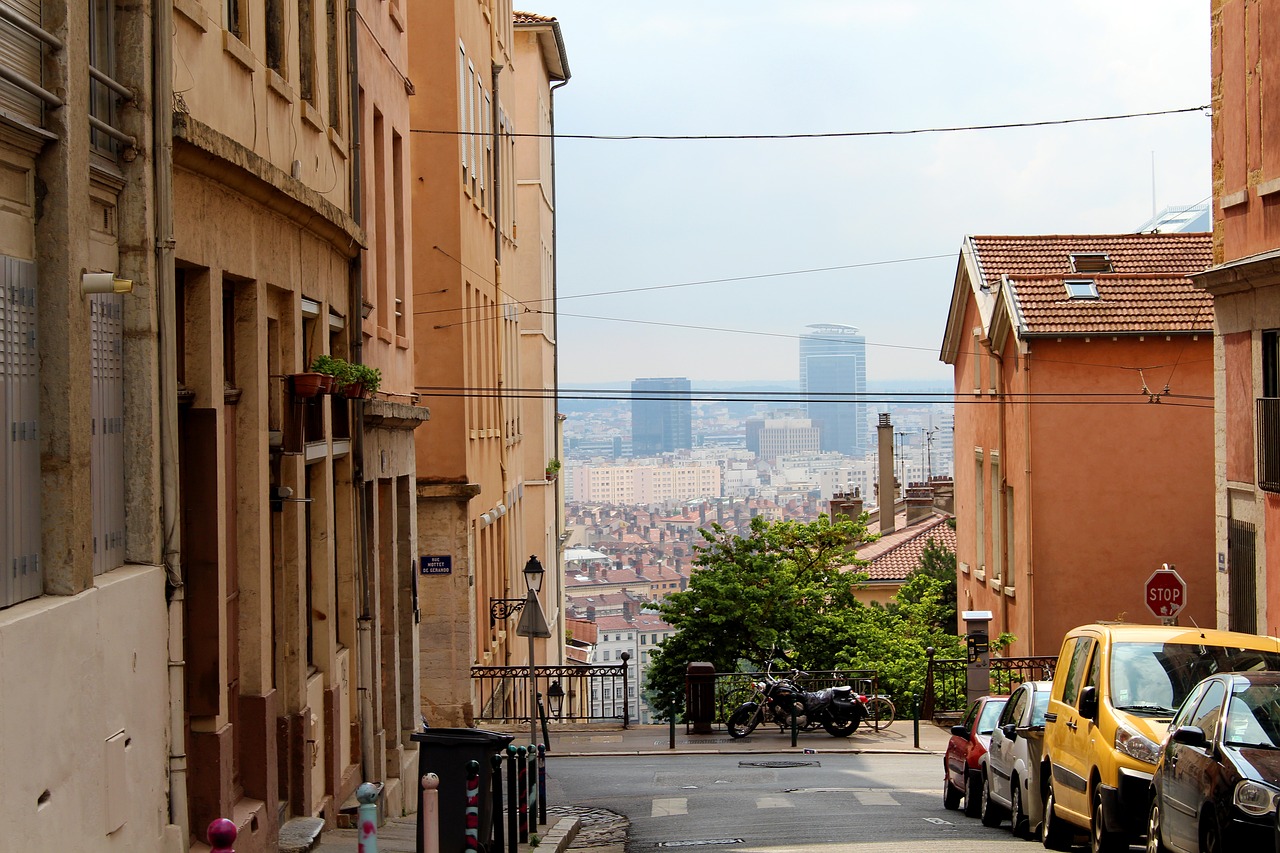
pixel 959 731
pixel 1089 703
pixel 1010 731
pixel 1190 736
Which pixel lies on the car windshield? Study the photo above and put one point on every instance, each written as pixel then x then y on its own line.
pixel 990 713
pixel 1039 704
pixel 1154 678
pixel 1253 716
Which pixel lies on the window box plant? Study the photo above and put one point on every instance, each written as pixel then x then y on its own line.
pixel 553 468
pixel 360 380
pixel 329 367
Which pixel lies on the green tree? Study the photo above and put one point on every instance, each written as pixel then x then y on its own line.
pixel 933 579
pixel 778 593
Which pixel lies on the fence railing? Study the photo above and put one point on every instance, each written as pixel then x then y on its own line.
pixel 946 680
pixel 581 693
pixel 734 688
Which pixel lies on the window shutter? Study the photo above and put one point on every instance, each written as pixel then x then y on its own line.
pixel 106 401
pixel 20 576
pixel 21 54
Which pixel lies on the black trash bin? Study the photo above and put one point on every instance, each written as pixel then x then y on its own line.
pixel 700 707
pixel 446 752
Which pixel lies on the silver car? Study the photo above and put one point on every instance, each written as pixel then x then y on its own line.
pixel 1011 787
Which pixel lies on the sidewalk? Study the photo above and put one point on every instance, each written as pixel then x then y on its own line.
pixel 569 827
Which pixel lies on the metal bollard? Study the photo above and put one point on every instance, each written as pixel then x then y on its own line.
pixel 542 785
pixel 915 718
pixel 473 805
pixel 221 834
pixel 499 836
pixel 522 791
pixel 533 787
pixel 367 795
pixel 795 727
pixel 672 715
pixel 430 813
pixel 513 809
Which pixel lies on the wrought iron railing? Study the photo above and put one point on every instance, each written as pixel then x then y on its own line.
pixel 580 693
pixel 946 680
pixel 1269 444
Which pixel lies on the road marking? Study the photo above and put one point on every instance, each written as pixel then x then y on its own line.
pixel 774 803
pixel 939 821
pixel 668 806
pixel 702 843
pixel 875 798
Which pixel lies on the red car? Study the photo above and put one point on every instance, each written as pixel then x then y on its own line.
pixel 967 754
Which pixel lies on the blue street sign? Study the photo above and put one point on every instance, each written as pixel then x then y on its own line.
pixel 435 565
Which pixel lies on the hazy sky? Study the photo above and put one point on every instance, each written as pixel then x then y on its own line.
pixel 644 214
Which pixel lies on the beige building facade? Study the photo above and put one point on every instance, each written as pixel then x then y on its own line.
pixel 645 484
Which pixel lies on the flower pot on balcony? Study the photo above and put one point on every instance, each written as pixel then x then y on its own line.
pixel 306 385
pixel 354 391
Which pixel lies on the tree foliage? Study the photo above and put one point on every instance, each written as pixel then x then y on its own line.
pixel 786 592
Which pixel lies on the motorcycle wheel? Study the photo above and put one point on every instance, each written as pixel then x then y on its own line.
pixel 838 728
pixel 743 722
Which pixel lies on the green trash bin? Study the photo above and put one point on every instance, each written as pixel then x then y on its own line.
pixel 446 753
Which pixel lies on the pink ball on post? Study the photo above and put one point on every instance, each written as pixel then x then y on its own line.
pixel 221 834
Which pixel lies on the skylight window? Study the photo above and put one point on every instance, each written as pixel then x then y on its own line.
pixel 1091 262
pixel 1081 288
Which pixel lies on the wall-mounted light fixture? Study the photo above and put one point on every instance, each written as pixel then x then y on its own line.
pixel 279 495
pixel 104 282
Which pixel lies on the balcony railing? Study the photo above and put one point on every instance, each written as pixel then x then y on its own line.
pixel 1269 444
pixel 946 680
pixel 589 693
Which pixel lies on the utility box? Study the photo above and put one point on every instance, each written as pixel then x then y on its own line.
pixel 446 753
pixel 700 696
pixel 978 644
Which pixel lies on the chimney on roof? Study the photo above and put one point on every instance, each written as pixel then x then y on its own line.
pixel 944 494
pixel 591 571
pixel 591 613
pixel 639 570
pixel 885 434
pixel 847 505
pixel 919 503
pixel 627 610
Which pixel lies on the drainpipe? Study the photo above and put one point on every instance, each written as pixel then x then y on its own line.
pixel 555 370
pixel 170 515
pixel 496 133
pixel 355 345
pixel 1007 564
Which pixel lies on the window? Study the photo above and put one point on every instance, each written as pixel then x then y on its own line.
pixel 1075 670
pixel 307 51
pixel 644 640
pixel 333 44
pixel 275 36
pixel 21 577
pixel 102 57
pixel 997 518
pixel 237 21
pixel 605 655
pixel 979 513
pixel 1081 288
pixel 23 54
pixel 1095 262
pixel 1209 709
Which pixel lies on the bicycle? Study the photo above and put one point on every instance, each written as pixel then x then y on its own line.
pixel 880 711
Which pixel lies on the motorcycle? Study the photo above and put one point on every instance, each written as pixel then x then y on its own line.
pixel 777 700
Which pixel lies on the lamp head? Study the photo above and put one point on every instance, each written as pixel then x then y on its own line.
pixel 533 573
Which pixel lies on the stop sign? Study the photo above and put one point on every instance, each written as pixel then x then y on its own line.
pixel 1165 593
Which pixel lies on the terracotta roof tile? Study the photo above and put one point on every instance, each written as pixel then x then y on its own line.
pixel 894 555
pixel 1168 303
pixel 532 18
pixel 1130 254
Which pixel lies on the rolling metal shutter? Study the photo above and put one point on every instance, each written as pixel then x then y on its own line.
pixel 21 53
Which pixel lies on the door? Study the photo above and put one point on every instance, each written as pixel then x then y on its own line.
pixel 1069 751
pixel 1185 769
pixel 1000 761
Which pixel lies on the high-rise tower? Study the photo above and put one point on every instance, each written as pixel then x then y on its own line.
pixel 661 416
pixel 833 382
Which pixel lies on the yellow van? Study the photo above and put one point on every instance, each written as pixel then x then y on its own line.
pixel 1115 690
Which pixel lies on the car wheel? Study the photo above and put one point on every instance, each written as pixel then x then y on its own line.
pixel 1210 835
pixel 1101 841
pixel 1054 834
pixel 1018 822
pixel 992 814
pixel 1155 844
pixel 972 794
pixel 951 795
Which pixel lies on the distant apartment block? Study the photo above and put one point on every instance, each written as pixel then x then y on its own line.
pixel 643 484
pixel 661 416
pixel 770 438
pixel 833 382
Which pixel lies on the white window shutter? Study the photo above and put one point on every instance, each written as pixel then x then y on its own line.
pixel 106 312
pixel 20 573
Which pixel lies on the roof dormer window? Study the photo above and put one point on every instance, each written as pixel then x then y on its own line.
pixel 1095 262
pixel 1081 288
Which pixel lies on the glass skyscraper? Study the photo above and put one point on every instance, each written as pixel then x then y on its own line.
pixel 833 383
pixel 661 416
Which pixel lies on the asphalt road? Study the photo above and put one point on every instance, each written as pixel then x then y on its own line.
pixel 777 802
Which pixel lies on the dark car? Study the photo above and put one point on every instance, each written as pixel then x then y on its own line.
pixel 1217 781
pixel 966 755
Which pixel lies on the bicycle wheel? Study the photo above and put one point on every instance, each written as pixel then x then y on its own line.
pixel 880 712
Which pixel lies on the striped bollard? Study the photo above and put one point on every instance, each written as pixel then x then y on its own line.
pixel 513 817
pixel 221 834
pixel 542 784
pixel 522 791
pixel 430 813
pixel 367 795
pixel 473 805
pixel 495 795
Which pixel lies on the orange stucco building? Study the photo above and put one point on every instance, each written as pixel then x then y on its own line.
pixel 1243 283
pixel 1083 431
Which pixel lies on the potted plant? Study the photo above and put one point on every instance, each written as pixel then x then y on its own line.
pixel 553 468
pixel 360 380
pixel 330 367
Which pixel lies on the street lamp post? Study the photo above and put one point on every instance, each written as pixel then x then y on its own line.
pixel 533 623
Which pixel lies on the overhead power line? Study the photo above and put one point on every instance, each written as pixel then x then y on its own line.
pixel 847 134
